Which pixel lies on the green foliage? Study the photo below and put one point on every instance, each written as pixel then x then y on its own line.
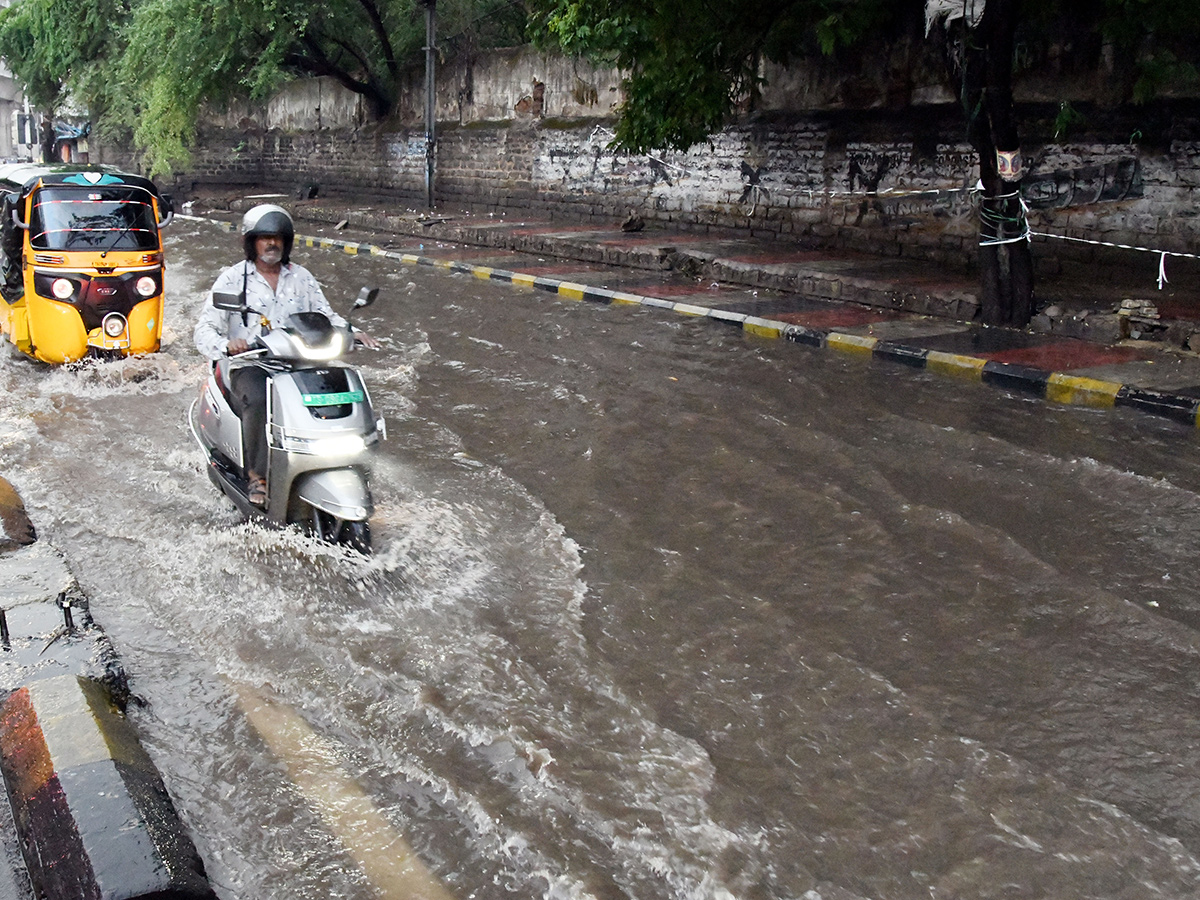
pixel 58 47
pixel 688 66
pixel 151 65
pixel 1067 119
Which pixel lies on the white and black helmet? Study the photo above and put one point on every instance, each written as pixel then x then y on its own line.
pixel 267 218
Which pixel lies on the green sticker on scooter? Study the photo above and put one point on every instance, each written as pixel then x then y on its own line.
pixel 332 399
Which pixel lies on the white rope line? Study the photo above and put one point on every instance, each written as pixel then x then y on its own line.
pixel 1162 254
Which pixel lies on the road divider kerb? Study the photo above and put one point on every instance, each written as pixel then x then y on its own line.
pixel 1054 386
pixel 1078 390
pixel 955 364
pixel 765 328
pixel 91 811
pixel 571 290
pixel 851 343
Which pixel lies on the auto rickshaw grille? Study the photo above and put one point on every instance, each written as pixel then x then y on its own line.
pixel 97 296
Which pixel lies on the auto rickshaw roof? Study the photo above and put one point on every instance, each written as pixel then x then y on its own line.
pixel 22 176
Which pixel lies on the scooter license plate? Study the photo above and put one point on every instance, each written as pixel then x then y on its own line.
pixel 332 399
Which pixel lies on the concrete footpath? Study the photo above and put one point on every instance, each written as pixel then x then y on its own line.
pixel 1103 337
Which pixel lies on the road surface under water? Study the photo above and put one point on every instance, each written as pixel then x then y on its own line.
pixel 657 611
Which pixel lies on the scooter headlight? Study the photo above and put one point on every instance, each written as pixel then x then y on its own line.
pixel 146 286
pixel 335 445
pixel 62 288
pixel 113 325
pixel 332 350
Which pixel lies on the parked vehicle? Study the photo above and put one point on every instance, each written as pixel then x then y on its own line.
pixel 81 261
pixel 321 428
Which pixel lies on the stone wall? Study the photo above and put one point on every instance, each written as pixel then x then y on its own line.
pixel 525 133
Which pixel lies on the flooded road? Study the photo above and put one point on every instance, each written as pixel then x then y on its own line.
pixel 657 611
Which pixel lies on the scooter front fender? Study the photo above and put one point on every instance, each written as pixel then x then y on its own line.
pixel 340 492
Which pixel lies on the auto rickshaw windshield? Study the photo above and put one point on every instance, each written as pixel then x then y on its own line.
pixel 94 218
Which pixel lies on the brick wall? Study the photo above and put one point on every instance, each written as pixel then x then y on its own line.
pixel 797 175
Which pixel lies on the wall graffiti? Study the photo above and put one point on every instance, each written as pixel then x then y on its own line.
pixel 1108 182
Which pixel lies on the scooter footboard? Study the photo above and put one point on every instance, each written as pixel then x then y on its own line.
pixel 343 493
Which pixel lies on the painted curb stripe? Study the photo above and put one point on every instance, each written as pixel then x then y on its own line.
pixel 1072 389
pixel 1054 386
pixel 799 334
pixel 657 303
pixel 955 364
pixel 1014 377
pixel 724 315
pixel 899 353
pixel 763 327
pixel 92 814
pixel 598 295
pixel 851 343
pixel 1181 409
pixel 571 290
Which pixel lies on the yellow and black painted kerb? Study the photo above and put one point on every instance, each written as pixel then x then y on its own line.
pixel 93 817
pixel 1054 386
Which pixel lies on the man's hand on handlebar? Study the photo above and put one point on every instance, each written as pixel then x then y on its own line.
pixel 236 346
pixel 366 340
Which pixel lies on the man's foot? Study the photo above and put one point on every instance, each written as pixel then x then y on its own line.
pixel 256 491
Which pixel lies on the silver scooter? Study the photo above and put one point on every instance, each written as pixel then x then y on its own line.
pixel 321 428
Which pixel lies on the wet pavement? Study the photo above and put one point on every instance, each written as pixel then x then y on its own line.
pixel 1105 336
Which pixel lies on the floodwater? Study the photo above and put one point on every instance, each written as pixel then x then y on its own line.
pixel 657 611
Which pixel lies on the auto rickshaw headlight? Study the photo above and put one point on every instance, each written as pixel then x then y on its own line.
pixel 146 286
pixel 62 288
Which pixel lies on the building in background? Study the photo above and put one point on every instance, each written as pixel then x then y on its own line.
pixel 18 125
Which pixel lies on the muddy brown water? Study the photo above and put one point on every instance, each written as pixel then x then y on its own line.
pixel 657 610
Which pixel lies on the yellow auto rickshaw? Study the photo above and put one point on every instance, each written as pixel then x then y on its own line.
pixel 81 261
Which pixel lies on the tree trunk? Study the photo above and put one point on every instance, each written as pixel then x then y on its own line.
pixel 981 66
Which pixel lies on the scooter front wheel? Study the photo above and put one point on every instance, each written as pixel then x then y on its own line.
pixel 326 527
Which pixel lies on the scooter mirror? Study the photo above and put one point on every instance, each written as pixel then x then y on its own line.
pixel 230 302
pixel 366 297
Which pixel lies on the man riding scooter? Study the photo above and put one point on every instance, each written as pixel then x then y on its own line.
pixel 274 288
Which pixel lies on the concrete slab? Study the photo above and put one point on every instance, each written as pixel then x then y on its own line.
pixel 1176 375
pixel 33 574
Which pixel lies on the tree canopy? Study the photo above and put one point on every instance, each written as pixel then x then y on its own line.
pixel 149 65
pixel 690 66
